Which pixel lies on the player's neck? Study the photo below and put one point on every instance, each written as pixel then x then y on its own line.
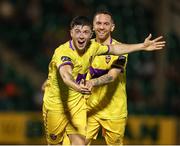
pixel 106 41
pixel 80 52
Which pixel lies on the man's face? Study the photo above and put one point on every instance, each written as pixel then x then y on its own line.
pixel 103 26
pixel 81 36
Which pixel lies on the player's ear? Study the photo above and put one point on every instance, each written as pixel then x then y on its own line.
pixel 112 27
pixel 71 32
pixel 92 34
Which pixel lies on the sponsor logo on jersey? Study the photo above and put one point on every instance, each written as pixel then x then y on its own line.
pixel 65 58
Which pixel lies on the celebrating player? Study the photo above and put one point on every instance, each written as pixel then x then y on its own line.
pixel 64 105
pixel 107 105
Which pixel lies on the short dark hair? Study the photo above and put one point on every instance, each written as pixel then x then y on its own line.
pixel 80 20
pixel 104 11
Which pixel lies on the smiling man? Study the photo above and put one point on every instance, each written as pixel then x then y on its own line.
pixel 64 105
pixel 107 105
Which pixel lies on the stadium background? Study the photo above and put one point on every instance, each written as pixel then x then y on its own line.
pixel 31 30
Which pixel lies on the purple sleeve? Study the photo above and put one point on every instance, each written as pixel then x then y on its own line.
pixel 66 63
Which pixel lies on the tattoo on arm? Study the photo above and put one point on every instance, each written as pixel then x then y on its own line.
pixel 105 79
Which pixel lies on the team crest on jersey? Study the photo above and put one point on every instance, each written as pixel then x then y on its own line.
pixel 108 58
pixel 53 136
pixel 65 58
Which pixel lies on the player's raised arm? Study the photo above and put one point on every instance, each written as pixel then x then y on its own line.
pixel 147 45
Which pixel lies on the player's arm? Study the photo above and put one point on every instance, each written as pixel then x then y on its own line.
pixel 104 79
pixel 147 45
pixel 117 67
pixel 66 75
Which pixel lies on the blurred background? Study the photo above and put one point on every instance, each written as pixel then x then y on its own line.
pixel 30 30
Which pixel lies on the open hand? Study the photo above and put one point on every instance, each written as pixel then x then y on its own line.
pixel 155 44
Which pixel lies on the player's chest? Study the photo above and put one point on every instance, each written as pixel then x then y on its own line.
pixel 82 63
pixel 104 61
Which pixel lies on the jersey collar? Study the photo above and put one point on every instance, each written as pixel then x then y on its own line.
pixel 111 41
pixel 70 45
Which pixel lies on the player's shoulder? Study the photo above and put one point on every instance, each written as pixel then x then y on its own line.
pixel 93 46
pixel 63 47
pixel 93 42
pixel 114 41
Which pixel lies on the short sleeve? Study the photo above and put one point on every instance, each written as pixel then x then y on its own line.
pixel 120 62
pixel 62 58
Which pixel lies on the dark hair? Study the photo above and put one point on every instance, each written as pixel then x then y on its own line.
pixel 80 20
pixel 104 11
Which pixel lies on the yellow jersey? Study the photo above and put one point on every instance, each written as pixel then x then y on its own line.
pixel 108 101
pixel 57 93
